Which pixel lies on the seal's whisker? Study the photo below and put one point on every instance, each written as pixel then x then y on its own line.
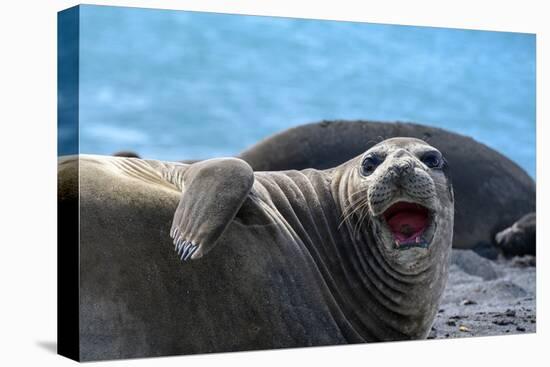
pixel 362 217
pixel 348 215
pixel 350 209
pixel 360 206
pixel 353 207
pixel 356 227
pixel 358 192
pixel 354 202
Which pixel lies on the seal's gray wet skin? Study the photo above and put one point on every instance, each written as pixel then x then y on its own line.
pixel 274 259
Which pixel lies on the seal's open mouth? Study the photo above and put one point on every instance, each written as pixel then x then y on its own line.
pixel 408 224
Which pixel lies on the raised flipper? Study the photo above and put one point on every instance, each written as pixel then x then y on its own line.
pixel 213 192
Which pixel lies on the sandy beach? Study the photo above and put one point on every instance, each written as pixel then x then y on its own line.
pixel 485 297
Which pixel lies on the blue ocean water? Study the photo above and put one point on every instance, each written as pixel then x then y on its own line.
pixel 179 85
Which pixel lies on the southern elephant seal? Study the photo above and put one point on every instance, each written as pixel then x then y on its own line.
pixel 492 192
pixel 356 253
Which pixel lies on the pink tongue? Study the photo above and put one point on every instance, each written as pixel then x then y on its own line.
pixel 407 224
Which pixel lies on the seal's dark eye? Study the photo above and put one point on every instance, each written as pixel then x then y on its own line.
pixel 370 163
pixel 432 159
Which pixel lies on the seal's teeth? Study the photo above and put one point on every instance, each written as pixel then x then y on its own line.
pixel 396 244
pixel 417 240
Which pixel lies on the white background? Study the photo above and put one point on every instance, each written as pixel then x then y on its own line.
pixel 28 181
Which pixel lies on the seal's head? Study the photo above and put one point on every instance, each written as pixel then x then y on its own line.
pixel 402 192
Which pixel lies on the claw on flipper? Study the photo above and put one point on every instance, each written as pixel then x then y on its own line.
pixel 186 250
pixel 181 242
pixel 190 252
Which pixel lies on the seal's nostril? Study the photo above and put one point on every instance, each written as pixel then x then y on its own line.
pixel 402 167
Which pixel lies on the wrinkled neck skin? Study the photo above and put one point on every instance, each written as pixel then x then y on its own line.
pixel 405 296
pixel 374 298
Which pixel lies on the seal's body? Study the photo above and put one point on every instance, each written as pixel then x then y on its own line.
pixel 270 259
